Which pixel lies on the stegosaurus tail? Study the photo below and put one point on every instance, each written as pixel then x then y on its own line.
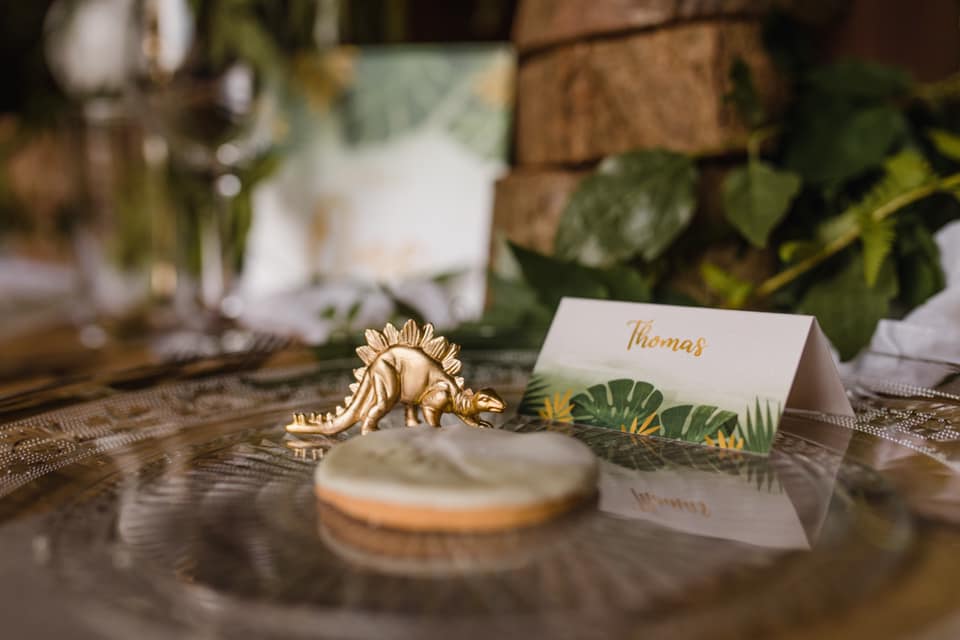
pixel 436 347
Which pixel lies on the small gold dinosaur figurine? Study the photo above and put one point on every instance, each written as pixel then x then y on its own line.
pixel 411 366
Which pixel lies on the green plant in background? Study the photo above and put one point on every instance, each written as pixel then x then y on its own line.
pixel 831 211
pixel 634 205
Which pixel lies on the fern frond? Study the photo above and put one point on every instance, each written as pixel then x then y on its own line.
pixel 903 172
pixel 877 237
pixel 907 178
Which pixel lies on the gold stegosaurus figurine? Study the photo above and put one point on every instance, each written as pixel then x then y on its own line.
pixel 409 366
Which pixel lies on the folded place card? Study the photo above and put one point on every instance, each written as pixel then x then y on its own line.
pixel 715 377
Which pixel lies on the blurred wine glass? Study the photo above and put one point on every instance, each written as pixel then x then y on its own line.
pixel 212 90
pixel 84 44
pixel 203 91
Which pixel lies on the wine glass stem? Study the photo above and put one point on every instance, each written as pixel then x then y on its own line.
pixel 216 261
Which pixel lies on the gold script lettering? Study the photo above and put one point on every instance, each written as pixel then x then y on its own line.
pixel 642 336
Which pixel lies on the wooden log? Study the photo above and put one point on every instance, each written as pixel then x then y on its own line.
pixel 665 88
pixel 543 23
pixel 528 205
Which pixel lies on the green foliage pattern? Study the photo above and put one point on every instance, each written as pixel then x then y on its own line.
pixel 695 424
pixel 761 428
pixel 617 403
pixel 636 204
pixel 840 194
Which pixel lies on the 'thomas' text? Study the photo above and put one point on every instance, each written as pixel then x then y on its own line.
pixel 642 336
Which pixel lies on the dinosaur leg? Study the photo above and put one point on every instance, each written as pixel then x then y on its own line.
pixel 471 421
pixel 432 416
pixel 383 401
pixel 412 419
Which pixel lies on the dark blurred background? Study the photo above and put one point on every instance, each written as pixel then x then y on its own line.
pixel 303 167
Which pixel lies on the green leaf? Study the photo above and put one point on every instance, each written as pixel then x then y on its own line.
pixel 859 80
pixel 796 250
pixel 918 262
pixel 514 303
pixel 626 400
pixel 733 290
pixel 636 204
pixel 744 96
pixel 908 169
pixel 694 424
pixel 877 238
pixel 946 142
pixel 849 310
pixel 756 198
pixel 903 172
pixel 553 279
pixel 841 142
pixel 760 430
pixel 625 283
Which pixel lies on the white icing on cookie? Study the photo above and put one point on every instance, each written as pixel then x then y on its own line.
pixel 459 467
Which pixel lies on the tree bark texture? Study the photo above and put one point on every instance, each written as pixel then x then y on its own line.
pixel 663 88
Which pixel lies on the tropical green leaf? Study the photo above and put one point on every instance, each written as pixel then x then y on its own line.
pixel 625 283
pixel 732 289
pixel 859 80
pixel 760 429
pixel 514 303
pixel 847 309
pixel 553 279
pixel 636 204
pixel 617 403
pixel 756 198
pixel 694 424
pixel 843 142
pixel 946 142
pixel 743 95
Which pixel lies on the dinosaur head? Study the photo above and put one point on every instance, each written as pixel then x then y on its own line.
pixel 488 400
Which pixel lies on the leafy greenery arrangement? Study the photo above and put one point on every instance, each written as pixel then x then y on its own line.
pixel 635 407
pixel 831 212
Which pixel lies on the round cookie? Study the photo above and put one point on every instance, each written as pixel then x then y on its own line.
pixel 456 478
pixel 438 554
